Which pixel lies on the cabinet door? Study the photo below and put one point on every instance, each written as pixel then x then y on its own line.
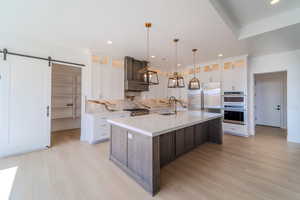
pixel 167 148
pixel 112 82
pixel 96 80
pixel 204 77
pixel 227 78
pixel 215 131
pixel 201 133
pixel 189 138
pixel 215 75
pixel 240 79
pixel 179 142
pixel 4 102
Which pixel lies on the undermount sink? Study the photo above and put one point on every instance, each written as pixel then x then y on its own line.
pixel 168 113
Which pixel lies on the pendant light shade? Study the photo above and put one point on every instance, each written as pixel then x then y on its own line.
pixel 176 80
pixel 150 76
pixel 194 83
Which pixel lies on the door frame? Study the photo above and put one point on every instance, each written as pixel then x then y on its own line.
pixel 283 99
pixel 50 104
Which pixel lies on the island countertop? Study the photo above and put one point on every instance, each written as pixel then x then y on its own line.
pixel 155 124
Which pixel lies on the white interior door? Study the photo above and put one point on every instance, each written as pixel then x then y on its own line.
pixel 269 100
pixel 30 84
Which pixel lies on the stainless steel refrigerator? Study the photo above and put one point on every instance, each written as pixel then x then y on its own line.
pixel 208 98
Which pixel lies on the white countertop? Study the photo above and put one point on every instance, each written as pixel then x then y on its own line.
pixel 155 124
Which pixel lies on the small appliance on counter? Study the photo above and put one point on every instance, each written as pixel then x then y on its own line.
pixel 235 113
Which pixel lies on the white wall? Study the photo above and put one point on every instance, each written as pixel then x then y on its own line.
pixel 287 61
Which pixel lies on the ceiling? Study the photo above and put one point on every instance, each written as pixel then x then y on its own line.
pixel 244 12
pixel 198 24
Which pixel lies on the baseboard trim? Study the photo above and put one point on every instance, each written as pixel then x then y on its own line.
pixel 22 152
pixel 99 141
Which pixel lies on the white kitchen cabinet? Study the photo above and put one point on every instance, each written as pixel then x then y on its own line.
pixel 211 76
pixel 227 80
pixel 98 127
pixel 107 81
pixel 235 78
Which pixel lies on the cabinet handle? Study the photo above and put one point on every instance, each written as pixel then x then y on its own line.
pixel 48 111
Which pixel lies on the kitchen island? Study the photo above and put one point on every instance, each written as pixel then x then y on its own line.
pixel 141 145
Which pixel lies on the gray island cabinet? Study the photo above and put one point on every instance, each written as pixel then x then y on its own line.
pixel 141 145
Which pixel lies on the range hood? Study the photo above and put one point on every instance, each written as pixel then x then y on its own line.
pixel 133 77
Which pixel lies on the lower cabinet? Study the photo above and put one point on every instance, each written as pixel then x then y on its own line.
pixel 167 148
pixel 99 128
pixel 215 131
pixel 179 141
pixel 201 133
pixel 189 138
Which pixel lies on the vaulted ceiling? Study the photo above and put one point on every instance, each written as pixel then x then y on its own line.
pixel 231 28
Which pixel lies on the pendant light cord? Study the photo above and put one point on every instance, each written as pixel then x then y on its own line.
pixel 176 55
pixel 148 56
pixel 194 60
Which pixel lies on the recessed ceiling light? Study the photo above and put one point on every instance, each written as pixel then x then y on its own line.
pixel 152 56
pixel 178 65
pixel 220 55
pixel 109 42
pixel 274 2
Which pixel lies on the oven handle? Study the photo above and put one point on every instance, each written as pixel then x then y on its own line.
pixel 237 110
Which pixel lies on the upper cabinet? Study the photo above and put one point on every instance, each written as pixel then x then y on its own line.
pixel 107 78
pixel 210 73
pixel 231 73
pixel 234 75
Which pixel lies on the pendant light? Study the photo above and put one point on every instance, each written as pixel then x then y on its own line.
pixel 150 76
pixel 176 80
pixel 194 83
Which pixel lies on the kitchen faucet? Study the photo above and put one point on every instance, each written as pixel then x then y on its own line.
pixel 171 100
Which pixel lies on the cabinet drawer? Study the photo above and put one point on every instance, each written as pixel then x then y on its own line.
pixel 102 125
pixel 101 133
pixel 235 128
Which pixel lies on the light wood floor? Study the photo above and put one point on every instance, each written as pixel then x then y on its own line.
pixel 261 167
